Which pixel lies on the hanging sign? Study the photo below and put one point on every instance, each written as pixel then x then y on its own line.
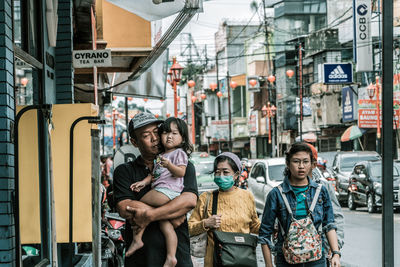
pixel 338 73
pixel 91 58
pixel 362 45
pixel 347 104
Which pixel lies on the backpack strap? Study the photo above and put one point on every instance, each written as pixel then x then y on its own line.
pixel 285 201
pixel 314 201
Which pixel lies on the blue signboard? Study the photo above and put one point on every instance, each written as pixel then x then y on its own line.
pixel 347 104
pixel 338 73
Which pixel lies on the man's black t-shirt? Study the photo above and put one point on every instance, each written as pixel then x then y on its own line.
pixel 153 253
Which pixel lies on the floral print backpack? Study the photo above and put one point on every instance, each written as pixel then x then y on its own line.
pixel 303 243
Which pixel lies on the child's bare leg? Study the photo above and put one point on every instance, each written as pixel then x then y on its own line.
pixel 152 198
pixel 155 198
pixel 137 242
pixel 171 242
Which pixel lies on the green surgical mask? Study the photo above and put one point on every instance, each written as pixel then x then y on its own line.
pixel 224 182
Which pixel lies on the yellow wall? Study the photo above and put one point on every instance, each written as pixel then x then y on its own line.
pixel 122 28
pixel 63 116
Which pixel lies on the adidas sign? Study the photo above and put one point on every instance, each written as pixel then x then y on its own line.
pixel 337 73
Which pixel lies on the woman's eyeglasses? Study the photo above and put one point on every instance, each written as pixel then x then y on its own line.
pixel 298 162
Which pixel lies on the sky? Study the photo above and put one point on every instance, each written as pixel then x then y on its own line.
pixel 204 25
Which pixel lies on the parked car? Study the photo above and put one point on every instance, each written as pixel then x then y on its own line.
pixel 204 164
pixel 265 175
pixel 365 185
pixel 342 166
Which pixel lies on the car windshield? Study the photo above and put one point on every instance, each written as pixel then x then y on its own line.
pixel 275 172
pixel 347 162
pixel 204 167
pixel 376 169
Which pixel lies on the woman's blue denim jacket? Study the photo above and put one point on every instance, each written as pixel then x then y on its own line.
pixel 275 208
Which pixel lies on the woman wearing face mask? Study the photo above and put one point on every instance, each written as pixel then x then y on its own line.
pixel 236 209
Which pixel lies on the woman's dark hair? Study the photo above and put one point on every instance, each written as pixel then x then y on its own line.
pixel 183 130
pixel 294 148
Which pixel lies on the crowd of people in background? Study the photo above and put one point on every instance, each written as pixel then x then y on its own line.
pixel 300 225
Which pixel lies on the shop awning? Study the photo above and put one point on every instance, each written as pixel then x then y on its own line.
pixel 131 63
pixel 148 10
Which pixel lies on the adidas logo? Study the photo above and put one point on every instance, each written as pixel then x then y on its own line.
pixel 337 73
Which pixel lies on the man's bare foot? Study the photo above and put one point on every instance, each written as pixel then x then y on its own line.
pixel 170 262
pixel 135 245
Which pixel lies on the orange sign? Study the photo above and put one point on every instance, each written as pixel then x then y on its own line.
pixel 367 115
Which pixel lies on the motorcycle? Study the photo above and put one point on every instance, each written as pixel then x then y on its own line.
pixel 112 241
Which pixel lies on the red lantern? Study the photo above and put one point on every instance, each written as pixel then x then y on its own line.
pixel 290 73
pixel 203 96
pixel 194 99
pixel 178 98
pixel 162 100
pixel 271 78
pixel 115 97
pixel 180 113
pixel 145 99
pixel 24 81
pixel 130 98
pixel 120 116
pixel 253 82
pixel 167 115
pixel 191 83
pixel 219 94
pixel 213 86
pixel 233 85
pixel 156 115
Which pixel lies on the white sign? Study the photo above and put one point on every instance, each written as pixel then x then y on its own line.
pixel 91 58
pixel 362 32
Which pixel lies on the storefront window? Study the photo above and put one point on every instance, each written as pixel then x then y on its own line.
pixel 26 26
pixel 17 22
pixel 25 75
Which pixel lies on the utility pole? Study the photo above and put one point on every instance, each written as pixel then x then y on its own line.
pixel 301 91
pixel 272 72
pixel 229 109
pixel 387 161
pixel 219 104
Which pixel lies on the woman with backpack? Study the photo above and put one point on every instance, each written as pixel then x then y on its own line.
pixel 303 210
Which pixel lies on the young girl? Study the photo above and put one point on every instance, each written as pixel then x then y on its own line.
pixel 299 190
pixel 167 181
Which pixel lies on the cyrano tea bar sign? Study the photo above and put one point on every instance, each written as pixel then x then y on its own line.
pixel 91 58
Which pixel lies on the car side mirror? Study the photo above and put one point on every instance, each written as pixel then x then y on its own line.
pixel 260 179
pixel 362 176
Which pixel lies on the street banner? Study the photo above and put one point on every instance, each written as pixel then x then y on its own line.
pixel 367 114
pixel 362 44
pixel 347 104
pixel 253 123
pixel 338 73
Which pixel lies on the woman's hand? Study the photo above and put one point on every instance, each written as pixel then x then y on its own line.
pixel 213 222
pixel 335 261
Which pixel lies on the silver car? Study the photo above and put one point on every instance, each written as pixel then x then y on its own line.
pixel 265 175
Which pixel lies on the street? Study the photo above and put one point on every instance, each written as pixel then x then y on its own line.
pixel 363 240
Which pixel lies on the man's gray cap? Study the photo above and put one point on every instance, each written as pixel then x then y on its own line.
pixel 232 157
pixel 142 119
